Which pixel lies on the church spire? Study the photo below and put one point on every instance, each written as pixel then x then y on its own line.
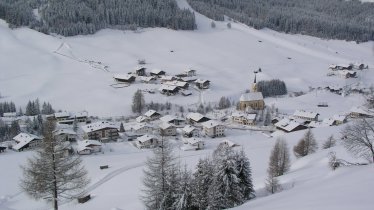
pixel 254 85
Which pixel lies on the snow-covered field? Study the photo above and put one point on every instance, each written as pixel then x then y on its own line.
pixel 30 68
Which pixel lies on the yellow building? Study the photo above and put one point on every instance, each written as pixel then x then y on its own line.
pixel 253 100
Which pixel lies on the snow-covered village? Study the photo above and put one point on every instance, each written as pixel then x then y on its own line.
pixel 212 108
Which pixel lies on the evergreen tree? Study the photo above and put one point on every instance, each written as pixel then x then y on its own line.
pixel 245 176
pixel 201 182
pixel 14 129
pixel 121 128
pixel 183 195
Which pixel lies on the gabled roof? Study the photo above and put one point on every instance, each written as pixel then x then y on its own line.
pixel 306 114
pixel 141 125
pixel 229 143
pixel 146 79
pixel 195 116
pixel 123 76
pixel 80 114
pixel 188 128
pixel 157 71
pixel 99 126
pixel 168 118
pixel 64 131
pixel 87 144
pixel 165 125
pixel 192 141
pixel 167 78
pixel 176 83
pixel 141 119
pixel 146 138
pixel 136 68
pixel 287 124
pixel 244 115
pixel 10 114
pixel 62 114
pixel 211 124
pixel 150 113
pixel 168 87
pixel 362 110
pixel 253 96
pixel 202 81
pixel 23 139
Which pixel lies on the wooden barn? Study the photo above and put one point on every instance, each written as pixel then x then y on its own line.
pixel 125 78
pixel 140 71
pixel 157 72
pixel 202 83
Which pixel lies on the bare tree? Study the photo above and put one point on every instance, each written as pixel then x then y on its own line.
pixel 279 162
pixel 272 184
pixel 306 145
pixel 53 174
pixel 330 142
pixel 358 138
pixel 138 102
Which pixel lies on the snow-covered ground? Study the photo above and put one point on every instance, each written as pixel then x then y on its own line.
pixel 73 79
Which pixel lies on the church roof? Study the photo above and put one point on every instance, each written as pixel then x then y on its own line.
pixel 253 96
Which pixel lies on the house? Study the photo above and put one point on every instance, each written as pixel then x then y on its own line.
pixel 228 143
pixel 187 79
pixel 360 66
pixel 80 116
pixel 26 141
pixel 252 100
pixel 145 79
pixel 157 72
pixel 192 144
pixel 179 84
pixel 140 71
pixel 202 83
pixel 65 134
pixel 306 115
pixel 213 128
pixel 102 130
pixel 243 118
pixel 347 74
pixel 186 93
pixel 152 115
pixel 168 90
pixel 172 120
pixel 190 131
pixel 87 147
pixel 166 129
pixel 194 118
pixel 10 114
pixel 335 89
pixel 126 78
pixel 167 78
pixel 62 116
pixel 142 119
pixel 2 148
pixel 288 125
pixel 141 128
pixel 146 141
pixel 190 72
pixel 361 112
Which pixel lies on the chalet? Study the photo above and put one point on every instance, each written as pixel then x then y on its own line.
pixel 190 72
pixel 10 114
pixel 335 120
pixel 196 118
pixel 252 100
pixel 213 129
pixel 190 131
pixel 140 71
pixel 69 118
pixel 228 143
pixel 62 116
pixel 179 84
pixel 157 72
pixel 65 134
pixel 347 74
pixel 186 93
pixel 202 83
pixel 145 79
pixel 168 90
pixel 306 115
pixel 192 144
pixel 126 78
pixel 26 141
pixel 87 147
pixel 361 112
pixel 142 119
pixel 80 116
pixel 2 148
pixel 288 125
pixel 152 115
pixel 102 130
pixel 141 128
pixel 167 78
pixel 244 118
pixel 166 129
pixel 146 141
pixel 172 120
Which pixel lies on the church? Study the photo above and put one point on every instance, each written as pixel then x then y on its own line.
pixel 253 100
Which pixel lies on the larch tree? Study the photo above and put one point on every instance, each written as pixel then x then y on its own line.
pixel 279 162
pixel 138 102
pixel 52 174
pixel 358 139
pixel 330 142
pixel 307 145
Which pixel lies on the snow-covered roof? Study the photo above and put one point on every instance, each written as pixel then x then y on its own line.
pixel 146 138
pixel 151 112
pixel 176 83
pixel 192 141
pixel 168 87
pixel 167 78
pixel 324 123
pixel 211 124
pixel 156 71
pixel 81 114
pixel 188 128
pixel 186 92
pixel 244 115
pixel 189 70
pixel 85 144
pixel 194 116
pixel 23 139
pixel 229 143
pixel 188 147
pixel 146 79
pixel 165 125
pixel 140 126
pixel 10 114
pixel 98 126
pixel 202 81
pixel 362 110
pixel 64 131
pixel 62 114
pixel 339 117
pixel 123 76
pixel 141 119
pixel 168 118
pixel 287 124
pixel 306 114
pixel 136 68
pixel 253 96
pixel 188 79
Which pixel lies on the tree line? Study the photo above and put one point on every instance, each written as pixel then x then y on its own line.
pixel 273 87
pixel 73 17
pixel 335 19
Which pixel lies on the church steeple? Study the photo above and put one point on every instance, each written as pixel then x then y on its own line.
pixel 254 85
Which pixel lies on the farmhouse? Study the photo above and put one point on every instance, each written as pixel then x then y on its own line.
pixel 361 112
pixel 126 78
pixel 202 83
pixel 289 125
pixel 167 78
pixel 146 141
pixel 172 120
pixel 252 100
pixel 157 72
pixel 335 120
pixel 192 144
pixel 145 79
pixel 194 118
pixel 306 115
pixel 179 84
pixel 166 129
pixel 187 79
pixel 152 115
pixel 65 134
pixel 186 93
pixel 169 90
pixel 243 118
pixel 102 130
pixel 141 128
pixel 140 71
pixel 190 72
pixel 26 141
pixel 87 147
pixel 62 116
pixel 190 131
pixel 213 129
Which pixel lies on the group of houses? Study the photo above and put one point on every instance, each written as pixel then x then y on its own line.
pixel 170 85
pixel 346 70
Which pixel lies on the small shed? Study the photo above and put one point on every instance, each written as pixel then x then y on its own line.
pixel 140 71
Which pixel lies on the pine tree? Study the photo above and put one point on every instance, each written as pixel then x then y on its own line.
pixel 50 174
pixel 75 125
pixel 183 195
pixel 121 128
pixel 307 145
pixel 201 182
pixel 245 175
pixel 14 129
